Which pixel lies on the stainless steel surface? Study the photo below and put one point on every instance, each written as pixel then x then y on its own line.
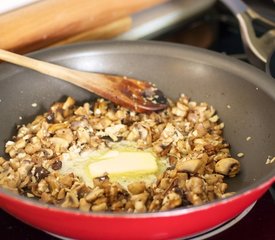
pixel 154 21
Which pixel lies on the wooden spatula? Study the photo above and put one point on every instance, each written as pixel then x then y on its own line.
pixel 139 96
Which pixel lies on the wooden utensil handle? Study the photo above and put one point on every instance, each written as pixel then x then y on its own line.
pixel 46 22
pixel 87 80
pixel 106 31
pixel 37 65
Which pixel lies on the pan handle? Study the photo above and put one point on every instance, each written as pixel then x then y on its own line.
pixel 258 49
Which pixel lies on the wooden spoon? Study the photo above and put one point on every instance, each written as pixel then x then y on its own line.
pixel 139 96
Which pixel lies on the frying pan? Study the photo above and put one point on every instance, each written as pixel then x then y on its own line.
pixel 201 74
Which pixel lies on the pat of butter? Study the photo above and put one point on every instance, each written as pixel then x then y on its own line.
pixel 117 162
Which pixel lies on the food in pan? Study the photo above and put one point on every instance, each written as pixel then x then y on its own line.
pixel 103 157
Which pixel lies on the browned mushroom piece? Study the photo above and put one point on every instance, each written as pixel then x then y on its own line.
pixel 136 187
pixel 228 166
pixel 191 166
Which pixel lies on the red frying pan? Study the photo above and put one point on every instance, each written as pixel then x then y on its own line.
pixel 202 75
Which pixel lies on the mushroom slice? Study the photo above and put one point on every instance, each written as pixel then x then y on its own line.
pixel 191 166
pixel 228 166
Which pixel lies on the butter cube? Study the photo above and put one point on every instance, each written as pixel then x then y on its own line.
pixel 118 163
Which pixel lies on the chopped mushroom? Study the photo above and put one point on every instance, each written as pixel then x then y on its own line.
pixel 228 166
pixel 188 135
pixel 191 166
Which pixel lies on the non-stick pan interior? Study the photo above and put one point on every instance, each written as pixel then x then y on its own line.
pixel 241 94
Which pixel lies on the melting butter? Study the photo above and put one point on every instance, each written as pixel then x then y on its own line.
pixel 124 163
